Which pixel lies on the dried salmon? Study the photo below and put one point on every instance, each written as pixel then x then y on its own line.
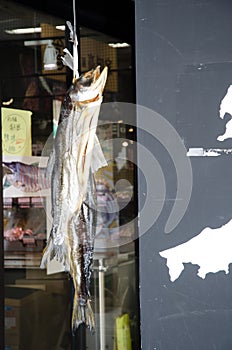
pixel 75 157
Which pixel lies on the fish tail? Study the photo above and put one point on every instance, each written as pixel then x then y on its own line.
pixel 82 313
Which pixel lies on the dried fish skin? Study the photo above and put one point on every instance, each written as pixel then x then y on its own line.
pixel 82 257
pixel 71 166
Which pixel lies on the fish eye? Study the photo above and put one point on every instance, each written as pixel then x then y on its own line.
pixel 88 76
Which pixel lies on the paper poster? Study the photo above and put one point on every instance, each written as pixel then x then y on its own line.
pixel 16 132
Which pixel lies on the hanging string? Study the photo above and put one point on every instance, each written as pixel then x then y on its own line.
pixel 71 60
pixel 74 18
pixel 75 44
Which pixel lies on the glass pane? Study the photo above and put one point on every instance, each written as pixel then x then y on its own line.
pixel 38 303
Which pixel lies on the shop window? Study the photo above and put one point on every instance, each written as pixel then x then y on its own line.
pixel 37 302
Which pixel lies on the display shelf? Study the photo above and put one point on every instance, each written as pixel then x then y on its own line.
pixel 22 260
pixel 26 198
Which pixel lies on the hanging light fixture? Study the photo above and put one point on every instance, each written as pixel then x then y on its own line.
pixel 50 57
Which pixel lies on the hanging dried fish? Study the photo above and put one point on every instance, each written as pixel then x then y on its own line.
pixel 76 155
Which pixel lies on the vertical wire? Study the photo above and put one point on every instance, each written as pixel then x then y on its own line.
pixel 74 19
pixel 75 43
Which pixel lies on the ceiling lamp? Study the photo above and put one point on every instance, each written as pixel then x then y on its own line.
pixel 24 30
pixel 50 57
pixel 118 45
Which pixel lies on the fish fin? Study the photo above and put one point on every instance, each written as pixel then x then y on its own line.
pixel 98 161
pixel 51 252
pixel 67 59
pixel 46 254
pixel 82 314
pixel 5 182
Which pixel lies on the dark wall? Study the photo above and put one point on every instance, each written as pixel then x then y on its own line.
pixel 183 69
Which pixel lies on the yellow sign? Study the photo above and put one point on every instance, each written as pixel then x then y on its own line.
pixel 16 132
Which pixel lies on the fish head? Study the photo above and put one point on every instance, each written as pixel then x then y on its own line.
pixel 9 172
pixel 89 86
pixel 9 167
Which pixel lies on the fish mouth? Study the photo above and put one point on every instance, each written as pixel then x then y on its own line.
pixel 90 85
pixel 96 73
pixel 99 80
pixel 88 78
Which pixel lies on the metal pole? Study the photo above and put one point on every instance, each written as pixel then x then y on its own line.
pixel 102 304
